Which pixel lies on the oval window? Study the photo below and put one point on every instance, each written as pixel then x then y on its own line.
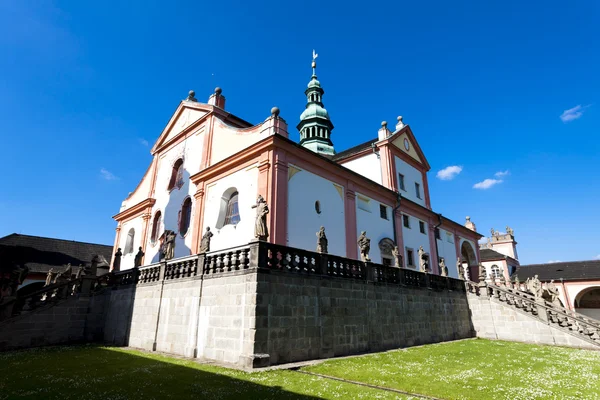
pixel 318 207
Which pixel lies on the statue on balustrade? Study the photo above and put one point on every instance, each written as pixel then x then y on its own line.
pixel 50 277
pixel 482 273
pixel 397 257
pixel 443 268
pixel 80 271
pixel 459 268
pixel 261 232
pixel 423 260
pixel 65 275
pixel 205 242
pixel 117 261
pixel 553 292
pixel 322 241
pixel 138 258
pixel 169 245
pixel 364 244
pixel 534 286
pixel 510 231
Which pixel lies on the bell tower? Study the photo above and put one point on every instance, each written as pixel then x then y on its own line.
pixel 315 126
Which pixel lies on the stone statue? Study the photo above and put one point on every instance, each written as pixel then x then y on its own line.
pixel 397 257
pixel 553 292
pixel 50 277
pixel 79 272
pixel 261 232
pixel 443 268
pixel 98 261
pixel 482 273
pixel 205 242
pixel 534 286
pixel 322 241
pixel 510 231
pixel 138 258
pixel 65 275
pixel 364 244
pixel 169 245
pixel 466 273
pixel 493 232
pixel 423 260
pixel 117 261
pixel 459 268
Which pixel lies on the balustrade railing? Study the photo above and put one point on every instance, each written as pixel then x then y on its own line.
pixel 269 256
pixel 545 311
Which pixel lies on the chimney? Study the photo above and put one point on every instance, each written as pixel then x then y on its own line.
pixel 217 99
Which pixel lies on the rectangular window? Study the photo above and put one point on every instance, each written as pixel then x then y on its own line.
pixel 401 182
pixel 406 220
pixel 383 211
pixel 409 257
pixel 364 203
pixel 437 233
pixel 449 237
pixel 418 190
pixel 422 226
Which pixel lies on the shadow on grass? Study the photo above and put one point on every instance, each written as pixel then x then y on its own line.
pixel 91 372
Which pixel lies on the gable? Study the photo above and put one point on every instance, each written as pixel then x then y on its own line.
pixel 183 117
pixel 403 141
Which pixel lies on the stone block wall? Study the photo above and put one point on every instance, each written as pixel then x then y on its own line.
pixel 493 319
pixel 309 317
pixel 76 319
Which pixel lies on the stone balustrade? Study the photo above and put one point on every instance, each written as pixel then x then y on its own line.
pixel 584 327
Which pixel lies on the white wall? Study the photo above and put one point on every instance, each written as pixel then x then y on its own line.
pixel 411 175
pixel 368 166
pixel 303 222
pixel 169 203
pixel 246 183
pixel 413 238
pixel 377 228
pixel 505 248
pixel 127 261
pixel 448 251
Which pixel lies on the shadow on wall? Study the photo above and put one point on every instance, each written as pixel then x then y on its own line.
pixel 137 375
pixel 171 216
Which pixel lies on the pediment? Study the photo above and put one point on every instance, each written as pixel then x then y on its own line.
pixel 406 142
pixel 183 117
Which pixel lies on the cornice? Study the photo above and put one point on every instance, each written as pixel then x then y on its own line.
pixel 134 210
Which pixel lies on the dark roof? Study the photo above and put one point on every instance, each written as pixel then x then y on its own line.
pixel 40 254
pixel 493 255
pixel 570 270
pixel 353 150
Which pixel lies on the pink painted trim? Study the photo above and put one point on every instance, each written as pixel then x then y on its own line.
pixel 280 191
pixel 426 189
pixel 434 259
pixel 351 227
pixel 399 237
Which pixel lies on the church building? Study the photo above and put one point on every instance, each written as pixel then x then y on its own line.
pixel 209 166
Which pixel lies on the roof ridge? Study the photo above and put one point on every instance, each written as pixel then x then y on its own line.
pixel 50 238
pixel 562 262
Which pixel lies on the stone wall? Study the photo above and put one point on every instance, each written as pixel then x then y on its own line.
pixel 76 319
pixel 309 317
pixel 493 319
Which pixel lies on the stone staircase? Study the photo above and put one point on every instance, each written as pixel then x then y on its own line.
pixel 507 313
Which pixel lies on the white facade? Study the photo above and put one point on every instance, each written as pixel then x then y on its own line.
pixel 369 219
pixel 217 194
pixel 413 239
pixel 368 166
pixel 447 250
pixel 305 189
pixel 411 176
pixel 134 225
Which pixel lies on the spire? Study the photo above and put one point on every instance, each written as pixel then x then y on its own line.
pixel 315 126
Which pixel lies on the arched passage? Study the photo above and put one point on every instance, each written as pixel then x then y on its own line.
pixel 469 260
pixel 587 302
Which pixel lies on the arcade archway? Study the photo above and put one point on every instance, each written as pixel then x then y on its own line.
pixel 587 302
pixel 469 260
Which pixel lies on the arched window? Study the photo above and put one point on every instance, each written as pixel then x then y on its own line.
pixel 155 227
pixel 184 216
pixel 129 242
pixel 232 215
pixel 176 180
pixel 495 272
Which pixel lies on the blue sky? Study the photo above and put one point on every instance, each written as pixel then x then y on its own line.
pixel 87 87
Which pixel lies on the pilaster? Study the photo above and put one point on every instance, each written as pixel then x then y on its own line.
pixel 351 227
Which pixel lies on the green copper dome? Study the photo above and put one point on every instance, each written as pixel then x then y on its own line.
pixel 314 83
pixel 314 110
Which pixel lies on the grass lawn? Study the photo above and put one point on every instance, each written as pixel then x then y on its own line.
pixel 471 369
pixel 477 369
pixel 89 372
